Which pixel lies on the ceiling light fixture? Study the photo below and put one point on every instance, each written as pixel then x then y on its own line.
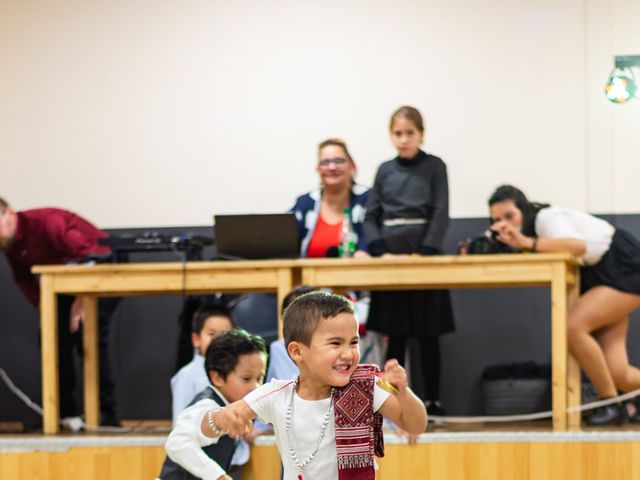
pixel 622 84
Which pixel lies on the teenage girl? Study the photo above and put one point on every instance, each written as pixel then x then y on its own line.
pixel 408 213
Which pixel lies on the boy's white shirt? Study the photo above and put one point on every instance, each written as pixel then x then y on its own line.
pixel 189 381
pixel 185 442
pixel 270 403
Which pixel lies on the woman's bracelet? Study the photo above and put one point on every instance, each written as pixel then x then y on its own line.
pixel 212 425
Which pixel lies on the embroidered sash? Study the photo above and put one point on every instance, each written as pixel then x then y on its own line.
pixel 358 428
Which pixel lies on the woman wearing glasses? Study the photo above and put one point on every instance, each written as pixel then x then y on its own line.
pixel 319 213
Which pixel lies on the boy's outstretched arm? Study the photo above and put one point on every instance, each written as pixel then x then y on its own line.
pixel 235 419
pixel 404 409
pixel 185 442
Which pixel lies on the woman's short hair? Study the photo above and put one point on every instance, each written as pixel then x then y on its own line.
pixel 335 142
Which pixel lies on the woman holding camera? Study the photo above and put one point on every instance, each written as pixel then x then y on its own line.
pixel 610 286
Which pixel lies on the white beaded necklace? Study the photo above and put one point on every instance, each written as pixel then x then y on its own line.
pixel 288 418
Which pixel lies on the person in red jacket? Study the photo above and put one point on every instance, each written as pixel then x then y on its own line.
pixel 46 236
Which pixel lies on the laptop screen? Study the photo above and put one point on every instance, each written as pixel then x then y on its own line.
pixel 256 236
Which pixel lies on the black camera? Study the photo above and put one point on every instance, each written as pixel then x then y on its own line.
pixel 488 243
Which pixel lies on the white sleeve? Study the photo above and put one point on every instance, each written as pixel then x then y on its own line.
pixel 379 397
pixel 555 223
pixel 182 393
pixel 261 399
pixel 185 442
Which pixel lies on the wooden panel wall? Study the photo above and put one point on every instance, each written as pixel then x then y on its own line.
pixel 451 461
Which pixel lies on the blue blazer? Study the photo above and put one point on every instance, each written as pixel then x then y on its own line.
pixel 307 209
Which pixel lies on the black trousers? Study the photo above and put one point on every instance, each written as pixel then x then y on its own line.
pixel 70 345
pixel 429 361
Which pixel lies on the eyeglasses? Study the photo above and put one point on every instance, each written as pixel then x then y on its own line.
pixel 328 161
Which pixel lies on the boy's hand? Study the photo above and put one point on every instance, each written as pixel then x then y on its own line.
pixel 225 477
pixel 404 409
pixel 232 421
pixel 249 437
pixel 395 375
pixel 412 439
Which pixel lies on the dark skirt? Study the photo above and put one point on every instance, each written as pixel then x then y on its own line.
pixel 619 268
pixel 411 313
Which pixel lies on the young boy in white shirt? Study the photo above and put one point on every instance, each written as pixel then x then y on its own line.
pixel 209 321
pixel 235 362
pixel 327 422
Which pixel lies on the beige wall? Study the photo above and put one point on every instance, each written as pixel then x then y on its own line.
pixel 612 131
pixel 148 113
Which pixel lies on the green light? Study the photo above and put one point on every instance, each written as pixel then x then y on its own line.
pixel 622 84
pixel 620 88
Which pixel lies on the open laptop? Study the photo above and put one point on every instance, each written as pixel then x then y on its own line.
pixel 256 236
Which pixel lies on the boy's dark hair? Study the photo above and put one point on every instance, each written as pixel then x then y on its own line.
pixel 224 351
pixel 305 313
pixel 210 310
pixel 295 293
pixel 3 205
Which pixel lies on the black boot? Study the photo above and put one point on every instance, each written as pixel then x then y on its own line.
pixel 614 414
pixel 435 408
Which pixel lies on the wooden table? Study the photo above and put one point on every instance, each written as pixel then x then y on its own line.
pixel 559 272
pixel 92 282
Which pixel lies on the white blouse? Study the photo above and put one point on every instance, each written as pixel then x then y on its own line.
pixel 559 222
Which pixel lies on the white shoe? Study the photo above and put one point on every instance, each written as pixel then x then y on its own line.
pixel 73 424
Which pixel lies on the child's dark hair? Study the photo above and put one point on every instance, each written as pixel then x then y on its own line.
pixel 305 313
pixel 529 209
pixel 295 293
pixel 225 350
pixel 207 310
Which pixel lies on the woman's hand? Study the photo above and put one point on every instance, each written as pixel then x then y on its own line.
pixel 510 235
pixel 361 254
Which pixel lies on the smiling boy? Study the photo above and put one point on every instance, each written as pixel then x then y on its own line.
pixel 327 422
pixel 235 364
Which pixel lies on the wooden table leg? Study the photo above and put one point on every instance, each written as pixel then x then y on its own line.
pixel 574 382
pixel 49 345
pixel 559 352
pixel 91 358
pixel 285 285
